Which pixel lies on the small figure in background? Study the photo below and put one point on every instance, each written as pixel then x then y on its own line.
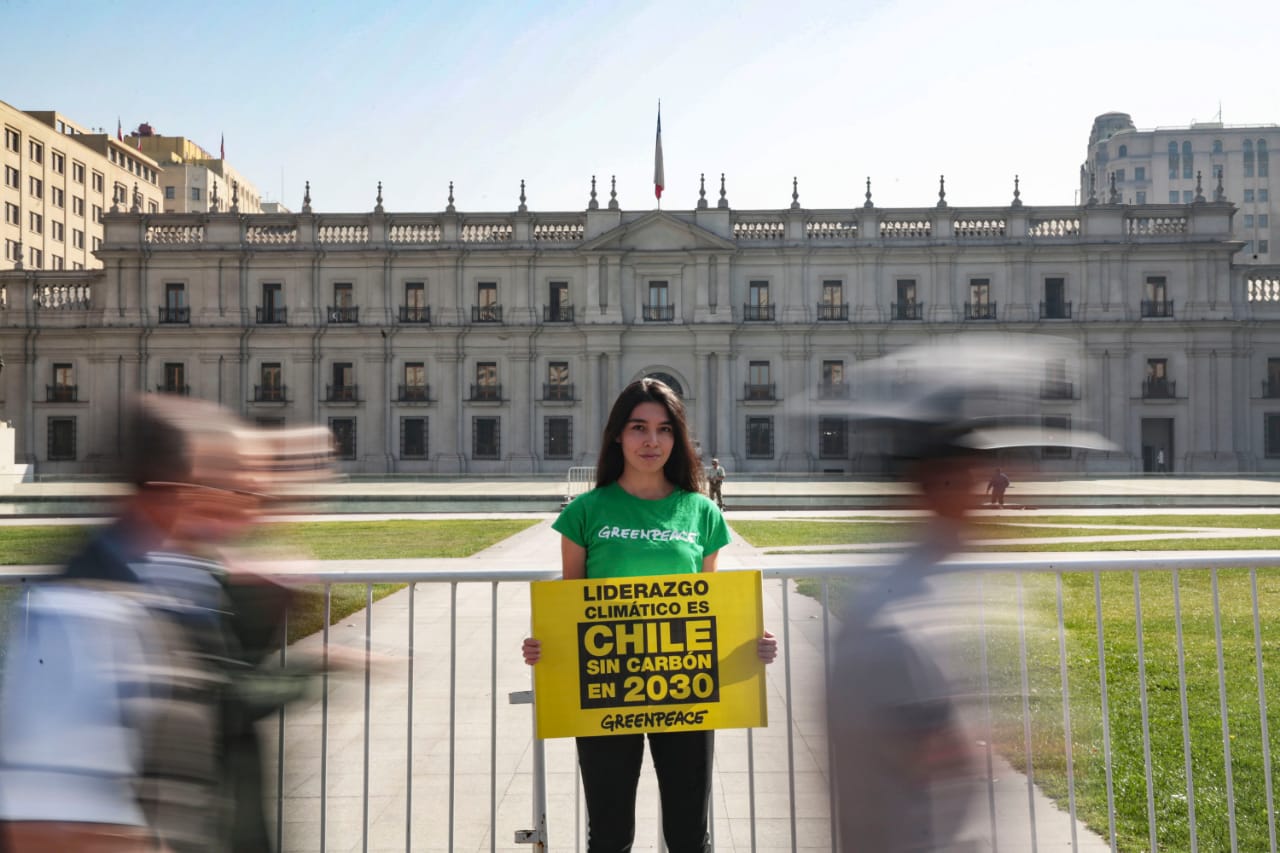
pixel 715 482
pixel 997 486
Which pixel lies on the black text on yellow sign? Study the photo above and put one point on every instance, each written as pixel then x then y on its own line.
pixel 670 653
pixel 669 662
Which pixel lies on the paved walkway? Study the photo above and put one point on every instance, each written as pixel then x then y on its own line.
pixel 782 821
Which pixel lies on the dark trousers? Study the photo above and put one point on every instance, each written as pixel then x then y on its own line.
pixel 611 771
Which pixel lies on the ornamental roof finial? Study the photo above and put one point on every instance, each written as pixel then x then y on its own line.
pixel 377 208
pixel 613 192
pixel 868 203
pixel 523 208
pixel 702 191
pixel 1017 193
pixel 306 198
pixel 450 208
pixel 795 194
pixel 593 204
pixel 942 191
pixel 723 204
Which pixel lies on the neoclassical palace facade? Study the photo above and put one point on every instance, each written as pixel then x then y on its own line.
pixel 494 343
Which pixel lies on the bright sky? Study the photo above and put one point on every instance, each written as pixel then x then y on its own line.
pixel 488 92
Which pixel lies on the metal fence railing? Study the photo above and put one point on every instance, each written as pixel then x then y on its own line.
pixel 1136 691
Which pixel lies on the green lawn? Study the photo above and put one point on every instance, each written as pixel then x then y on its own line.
pixel 1120 646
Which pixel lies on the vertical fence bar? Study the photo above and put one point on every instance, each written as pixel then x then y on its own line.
pixel 1262 711
pixel 751 785
pixel 1186 716
pixel 1146 719
pixel 1106 709
pixel 1026 712
pixel 986 708
pixel 368 690
pixel 1066 715
pixel 284 647
pixel 324 717
pixel 831 755
pixel 1222 705
pixel 408 773
pixel 577 807
pixel 453 695
pixel 493 718
pixel 791 751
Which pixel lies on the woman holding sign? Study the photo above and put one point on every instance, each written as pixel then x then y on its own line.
pixel 648 478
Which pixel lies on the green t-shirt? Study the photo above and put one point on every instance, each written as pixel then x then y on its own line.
pixel 626 536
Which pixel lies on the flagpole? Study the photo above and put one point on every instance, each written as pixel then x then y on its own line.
pixel 659 177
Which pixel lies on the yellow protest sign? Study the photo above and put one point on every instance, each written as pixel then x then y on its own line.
pixel 648 654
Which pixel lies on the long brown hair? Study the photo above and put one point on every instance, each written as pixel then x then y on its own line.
pixel 682 469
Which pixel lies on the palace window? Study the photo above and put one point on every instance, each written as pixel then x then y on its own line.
pixel 558 438
pixel 1272 427
pixel 414 388
pixel 759 381
pixel 760 438
pixel 486 438
pixel 413 438
pixel 658 305
pixel 415 308
pixel 344 388
pixel 558 386
pixel 175 378
pixel 1056 427
pixel 558 309
pixel 272 388
pixel 62 440
pixel 758 306
pixel 344 437
pixel 832 305
pixel 486 386
pixel 833 438
pixel 833 386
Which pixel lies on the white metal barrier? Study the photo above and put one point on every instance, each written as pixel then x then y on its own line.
pixel 414 743
pixel 581 478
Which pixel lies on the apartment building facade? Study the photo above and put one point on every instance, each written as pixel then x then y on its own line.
pixel 1177 165
pixel 60 180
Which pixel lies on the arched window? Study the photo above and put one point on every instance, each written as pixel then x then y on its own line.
pixel 1123 152
pixel 1262 158
pixel 1248 158
pixel 1188 170
pixel 669 380
pixel 1173 159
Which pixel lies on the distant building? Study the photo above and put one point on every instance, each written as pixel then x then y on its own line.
pixel 1174 165
pixel 448 342
pixel 59 180
pixel 191 178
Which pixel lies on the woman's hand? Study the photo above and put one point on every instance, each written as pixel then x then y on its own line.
pixel 766 647
pixel 532 650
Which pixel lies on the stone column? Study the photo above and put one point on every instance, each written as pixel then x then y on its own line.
pixel 446 426
pixel 520 459
pixel 724 370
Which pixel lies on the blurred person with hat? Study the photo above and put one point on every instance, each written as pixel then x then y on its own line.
pixel 135 678
pixel 901 687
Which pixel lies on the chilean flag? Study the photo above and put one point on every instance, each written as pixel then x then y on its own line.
pixel 659 180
